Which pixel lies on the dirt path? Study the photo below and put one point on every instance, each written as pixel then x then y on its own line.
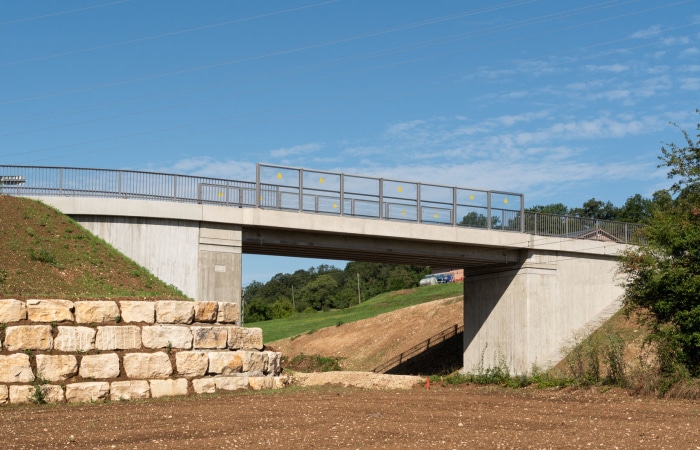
pixel 328 417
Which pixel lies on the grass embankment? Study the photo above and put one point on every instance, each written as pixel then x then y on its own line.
pixel 309 322
pixel 45 254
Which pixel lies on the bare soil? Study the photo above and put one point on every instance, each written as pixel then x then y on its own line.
pixel 365 344
pixel 334 417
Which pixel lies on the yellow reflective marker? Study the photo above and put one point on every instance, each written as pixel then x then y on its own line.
pixel 400 189
pixel 279 175
pixel 221 194
pixel 261 198
pixel 471 197
pixel 321 180
pixel 435 215
pixel 403 212
pixel 505 200
pixel 335 205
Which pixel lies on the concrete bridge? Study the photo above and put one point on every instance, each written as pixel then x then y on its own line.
pixel 531 280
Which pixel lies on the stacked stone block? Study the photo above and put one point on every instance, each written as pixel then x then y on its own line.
pixel 82 351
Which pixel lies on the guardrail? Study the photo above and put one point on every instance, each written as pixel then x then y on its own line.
pixel 417 349
pixel 318 192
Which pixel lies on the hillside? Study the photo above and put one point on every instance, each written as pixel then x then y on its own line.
pixel 45 254
pixel 365 344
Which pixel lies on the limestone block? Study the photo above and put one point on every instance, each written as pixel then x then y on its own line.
pixel 4 394
pixel 12 310
pixel 192 364
pixel 231 383
pixel 225 363
pixel 28 337
pixel 126 337
pixel 174 311
pixel 25 393
pixel 130 390
pixel 168 388
pixel 147 365
pixel 75 339
pixel 96 311
pixel 260 383
pixel 87 392
pixel 164 336
pixel 100 366
pixel 274 364
pixel 254 361
pixel 229 312
pixel 206 311
pixel 50 310
pixel 56 367
pixel 240 338
pixel 200 386
pixel 210 336
pixel 280 382
pixel 15 369
pixel 141 312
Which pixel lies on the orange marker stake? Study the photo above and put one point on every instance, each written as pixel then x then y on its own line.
pixel 427 384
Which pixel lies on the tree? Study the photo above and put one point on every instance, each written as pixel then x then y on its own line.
pixel 559 209
pixel 636 209
pixel 663 277
pixel 478 220
pixel 319 293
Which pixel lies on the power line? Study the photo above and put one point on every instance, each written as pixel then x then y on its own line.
pixel 59 13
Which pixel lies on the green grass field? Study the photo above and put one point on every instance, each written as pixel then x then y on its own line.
pixel 301 323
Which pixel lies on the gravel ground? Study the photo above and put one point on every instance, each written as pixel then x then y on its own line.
pixel 350 417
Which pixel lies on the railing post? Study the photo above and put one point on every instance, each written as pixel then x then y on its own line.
pixel 175 188
pixel 257 185
pixel 342 194
pixel 419 208
pixel 60 181
pixel 522 213
pixel 301 190
pixel 454 206
pixel 227 189
pixel 381 197
pixel 488 210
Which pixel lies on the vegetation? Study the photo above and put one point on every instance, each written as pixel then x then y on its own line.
pixel 325 288
pixel 45 254
pixel 311 321
pixel 663 278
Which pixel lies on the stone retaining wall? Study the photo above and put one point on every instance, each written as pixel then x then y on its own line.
pixel 65 351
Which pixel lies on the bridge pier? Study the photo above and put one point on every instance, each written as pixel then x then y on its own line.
pixel 524 317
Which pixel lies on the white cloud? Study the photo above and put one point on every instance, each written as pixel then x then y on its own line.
pixel 613 68
pixel 646 33
pixel 690 83
pixel 296 150
pixel 692 52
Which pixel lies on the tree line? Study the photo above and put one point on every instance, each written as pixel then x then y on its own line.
pixel 325 287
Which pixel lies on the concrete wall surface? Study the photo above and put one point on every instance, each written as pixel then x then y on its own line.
pixel 525 317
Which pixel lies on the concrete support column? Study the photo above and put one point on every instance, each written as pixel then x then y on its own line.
pixel 220 263
pixel 526 316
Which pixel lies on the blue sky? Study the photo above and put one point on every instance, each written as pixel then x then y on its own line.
pixel 560 101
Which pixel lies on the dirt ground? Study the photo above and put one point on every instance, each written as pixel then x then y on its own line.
pixel 365 344
pixel 336 417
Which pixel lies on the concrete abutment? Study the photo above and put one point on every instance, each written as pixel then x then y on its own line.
pixel 167 247
pixel 525 317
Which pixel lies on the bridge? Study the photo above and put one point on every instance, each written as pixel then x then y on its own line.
pixel 531 279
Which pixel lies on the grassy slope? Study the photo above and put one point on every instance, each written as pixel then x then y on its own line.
pixel 45 254
pixel 274 330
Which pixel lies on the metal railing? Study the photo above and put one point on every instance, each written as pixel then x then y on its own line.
pixel 318 192
pixel 417 349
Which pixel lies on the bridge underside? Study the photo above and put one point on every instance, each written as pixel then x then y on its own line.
pixel 268 241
